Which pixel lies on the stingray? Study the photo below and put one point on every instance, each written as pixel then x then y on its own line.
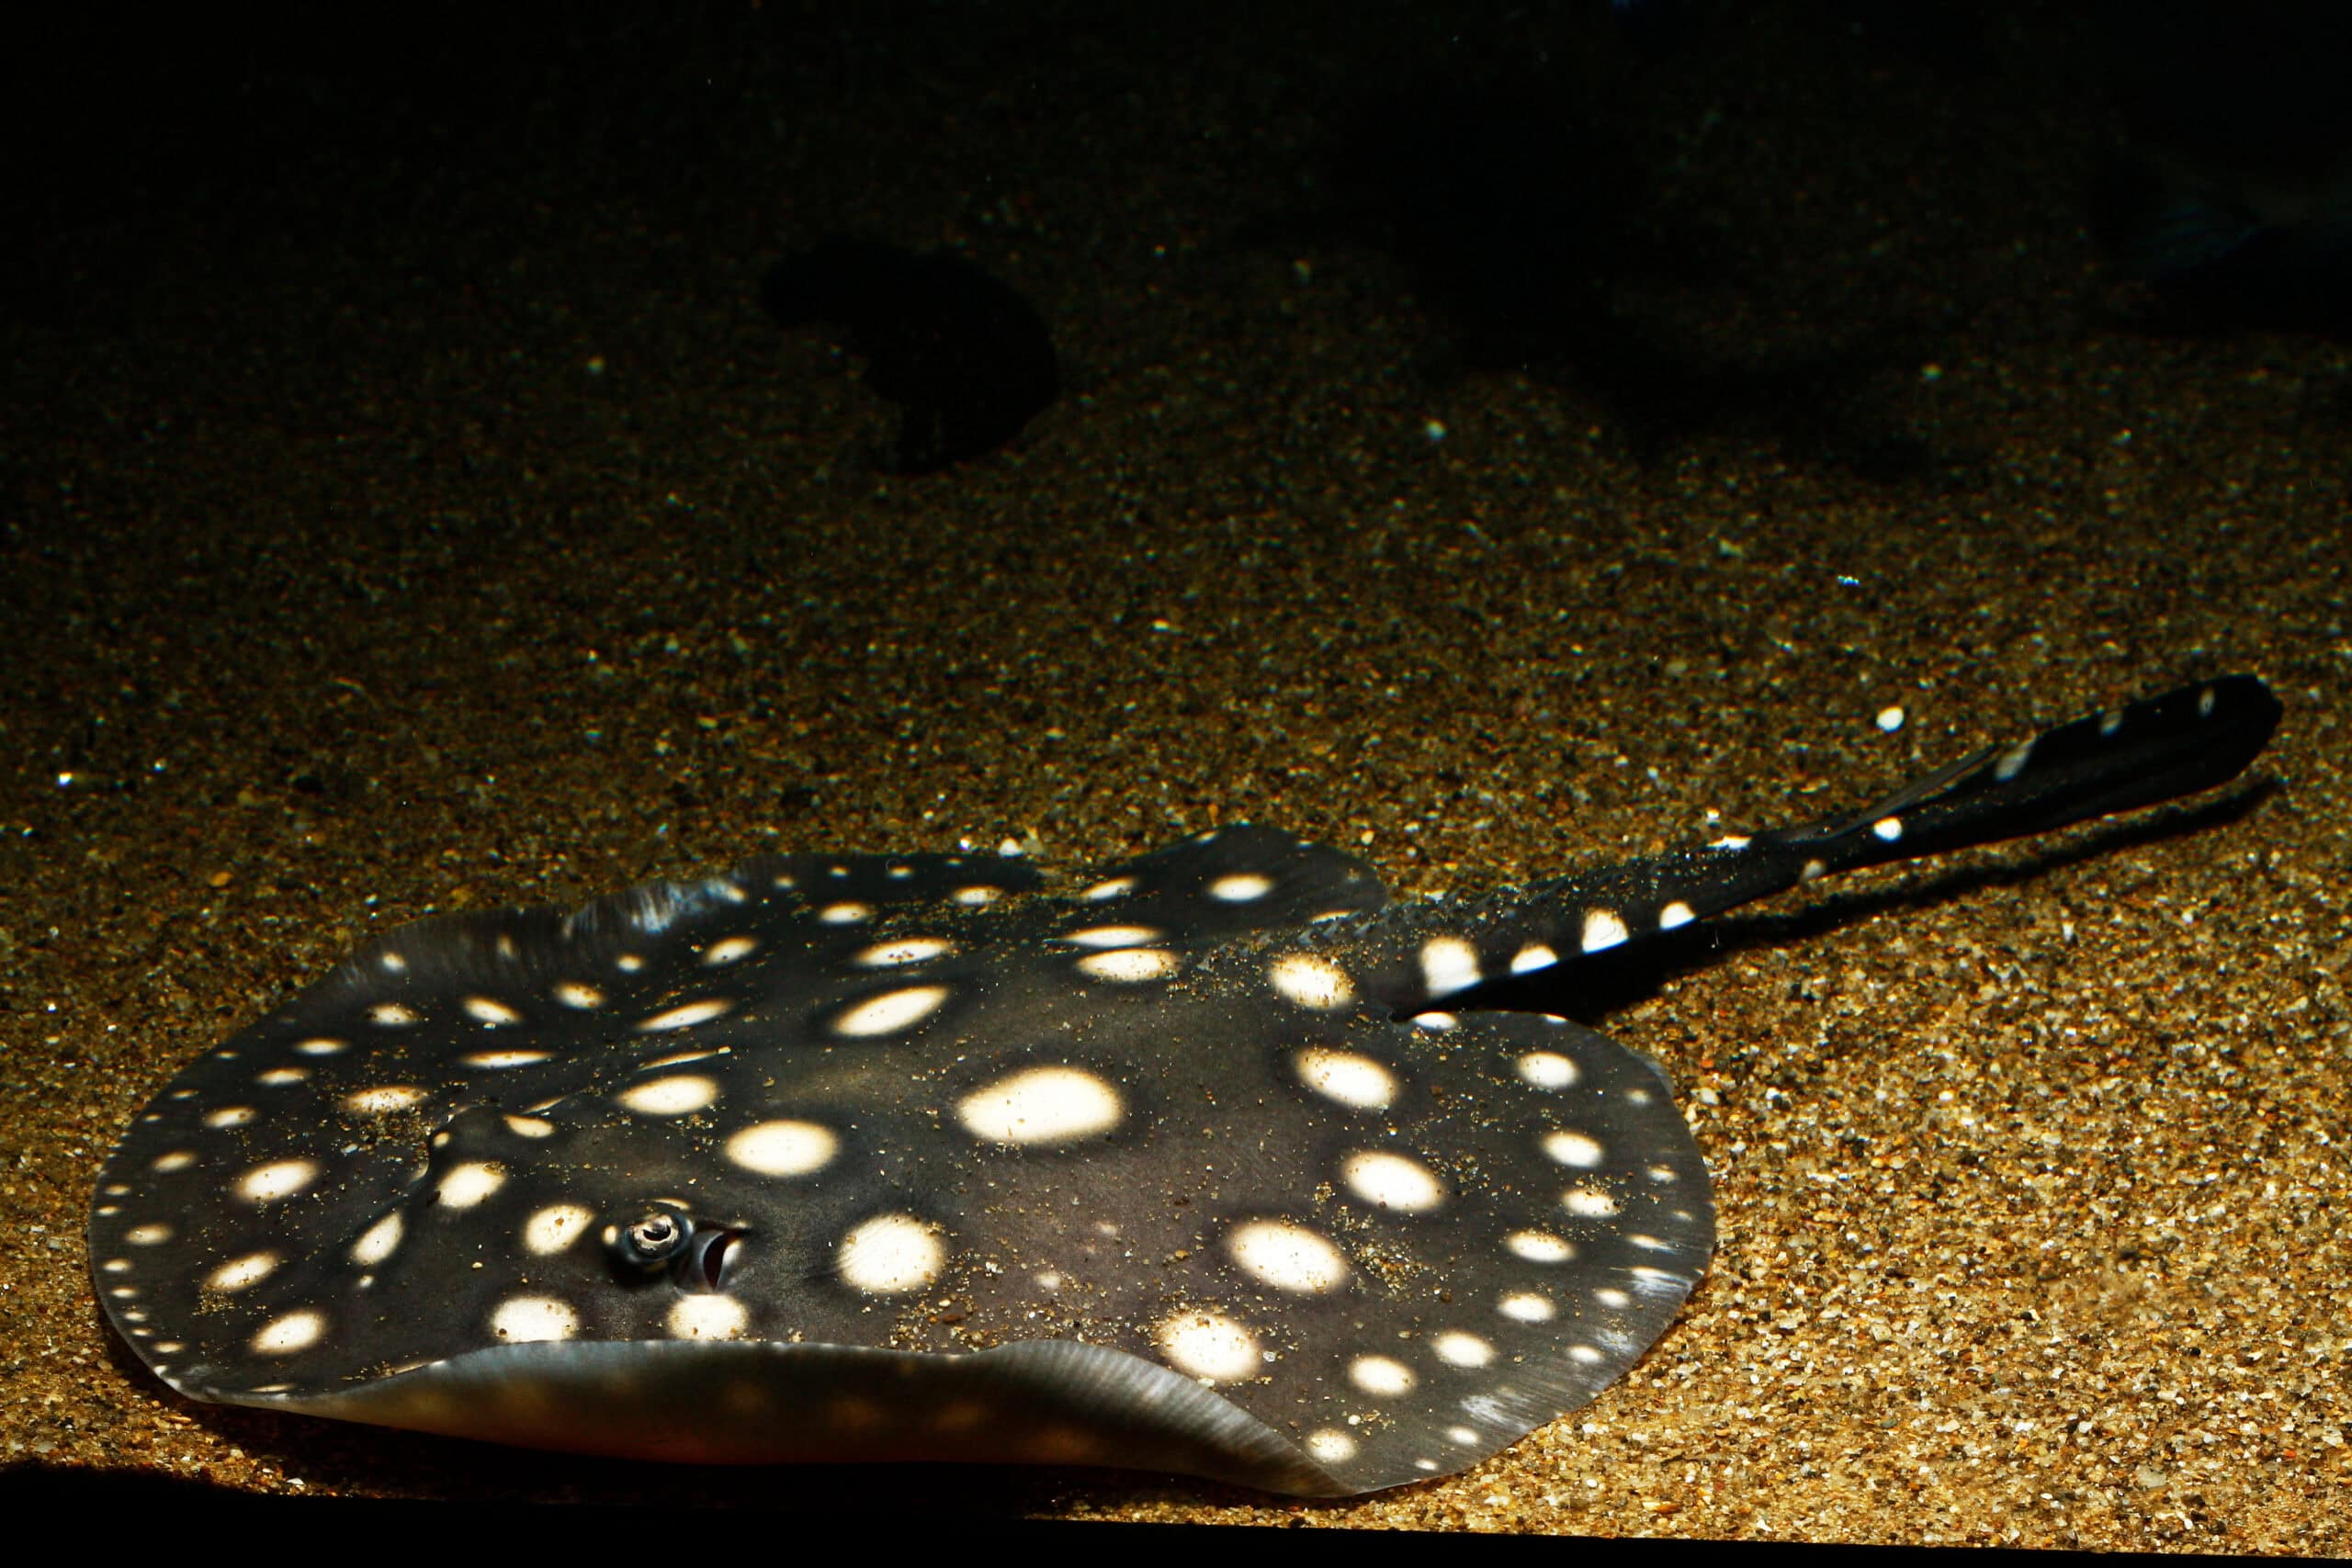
pixel 1198 1162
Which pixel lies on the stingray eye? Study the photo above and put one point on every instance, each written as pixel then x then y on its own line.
pixel 653 1240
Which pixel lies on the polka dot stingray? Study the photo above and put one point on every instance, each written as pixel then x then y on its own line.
pixel 1173 1165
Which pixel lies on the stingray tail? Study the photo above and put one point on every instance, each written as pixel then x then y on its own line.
pixel 2159 749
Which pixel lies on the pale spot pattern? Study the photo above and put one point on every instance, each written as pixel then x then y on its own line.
pixel 685 1015
pixel 845 914
pixel 890 1255
pixel 1391 1181
pixel 487 1010
pixel 1351 1079
pixel 382 1099
pixel 1573 1148
pixel 1129 964
pixel 1381 1376
pixel 1676 914
pixel 1112 936
pixel 229 1116
pixel 1288 1256
pixel 1532 957
pixel 1456 1348
pixel 1241 888
pixel 1207 1346
pixel 674 1096
pixel 1548 1069
pixel 573 994
pixel 1888 828
pixel 1526 1306
pixel 707 1315
pixel 533 1318
pixel 1042 1105
pixel 783 1148
pixel 495 1060
pixel 1539 1246
pixel 891 1012
pixel 1448 964
pixel 1330 1445
pixel 240 1272
pixel 906 950
pixel 277 1180
pixel 1311 982
pixel 550 1229
pixel 1603 928
pixel 379 1241
pixel 1589 1202
pixel 468 1184
pixel 728 950
pixel 296 1331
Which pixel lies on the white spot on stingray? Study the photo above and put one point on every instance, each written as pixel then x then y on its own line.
pixel 1602 929
pixel 1381 1377
pixel 279 1077
pixel 1662 1174
pixel 1888 828
pixel 1731 842
pixel 1584 1353
pixel 393 963
pixel 378 1100
pixel 1615 1298
pixel 1288 1256
pixel 1114 888
pixel 907 950
pixel 1573 1148
pixel 1676 914
pixel 1207 1346
pixel 1391 1181
pixel 1531 957
pixel 229 1116
pixel 468 1184
pixel 1539 1246
pixel 891 1012
pixel 391 1015
pixel 1890 719
pixel 1356 1081
pixel 284 1337
pixel 2109 722
pixel 708 1317
pixel 550 1229
pixel 685 1015
pixel 1112 936
pixel 484 1010
pixel 1589 1202
pixel 377 1242
pixel 1434 1022
pixel 1311 982
pixel 1448 964
pixel 629 963
pixel 1241 888
pixel 1456 1348
pixel 845 914
pixel 974 898
pixel 2013 761
pixel 671 1096
pixel 1042 1105
pixel 533 1318
pixel 1548 1069
pixel 890 1255
pixel 1129 963
pixel 1526 1306
pixel 323 1045
pixel 1330 1446
pixel 783 1148
pixel 279 1178
pixel 727 950
pixel 148 1236
pixel 573 994
pixel 239 1272
pixel 493 1060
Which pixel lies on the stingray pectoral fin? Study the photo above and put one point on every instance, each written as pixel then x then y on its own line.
pixel 719 1402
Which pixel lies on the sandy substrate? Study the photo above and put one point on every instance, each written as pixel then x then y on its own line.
pixel 457 533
